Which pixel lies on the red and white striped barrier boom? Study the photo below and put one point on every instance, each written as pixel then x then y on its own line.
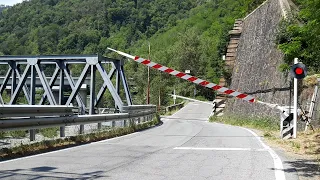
pixel 193 79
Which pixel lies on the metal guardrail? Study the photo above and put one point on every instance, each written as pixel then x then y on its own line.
pixel 138 107
pixel 45 122
pixel 34 110
pixel 175 106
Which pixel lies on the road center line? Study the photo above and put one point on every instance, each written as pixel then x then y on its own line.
pixel 218 149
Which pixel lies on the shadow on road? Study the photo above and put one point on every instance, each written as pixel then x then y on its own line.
pixel 47 172
pixel 304 168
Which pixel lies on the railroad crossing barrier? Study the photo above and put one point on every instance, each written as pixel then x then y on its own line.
pixel 190 78
pixel 216 87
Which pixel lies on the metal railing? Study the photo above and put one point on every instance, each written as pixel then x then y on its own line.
pixel 174 107
pixel 34 110
pixel 67 118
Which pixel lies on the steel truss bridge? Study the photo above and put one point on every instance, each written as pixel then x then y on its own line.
pixel 26 74
pixel 33 69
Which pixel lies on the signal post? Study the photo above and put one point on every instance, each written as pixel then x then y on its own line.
pixel 298 71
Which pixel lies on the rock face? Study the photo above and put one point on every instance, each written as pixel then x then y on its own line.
pixel 256 67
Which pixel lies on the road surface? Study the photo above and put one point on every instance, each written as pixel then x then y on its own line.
pixel 186 146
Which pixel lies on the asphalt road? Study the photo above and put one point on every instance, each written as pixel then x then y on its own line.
pixel 186 146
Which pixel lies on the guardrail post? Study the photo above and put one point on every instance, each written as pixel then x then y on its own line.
pixel 32 134
pixel 61 96
pixel 113 124
pixel 32 99
pixel 81 129
pixel 82 111
pixel 62 131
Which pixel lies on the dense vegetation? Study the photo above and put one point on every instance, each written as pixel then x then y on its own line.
pixel 183 34
pixel 300 35
pixel 3 7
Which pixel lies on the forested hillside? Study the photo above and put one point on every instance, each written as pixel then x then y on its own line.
pixel 183 34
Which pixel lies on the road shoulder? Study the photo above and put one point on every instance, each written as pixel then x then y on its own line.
pixel 307 167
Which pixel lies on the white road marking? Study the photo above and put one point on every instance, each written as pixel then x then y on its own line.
pixel 218 149
pixel 278 167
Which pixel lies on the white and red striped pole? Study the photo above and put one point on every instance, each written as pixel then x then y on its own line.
pixel 193 79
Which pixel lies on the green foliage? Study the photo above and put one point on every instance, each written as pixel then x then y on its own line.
pixel 184 34
pixel 201 98
pixel 299 36
pixel 5 97
pixel 3 7
pixel 195 43
pixel 284 67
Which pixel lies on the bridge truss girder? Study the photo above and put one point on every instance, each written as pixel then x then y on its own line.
pixel 93 65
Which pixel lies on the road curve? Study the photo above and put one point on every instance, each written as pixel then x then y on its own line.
pixel 186 146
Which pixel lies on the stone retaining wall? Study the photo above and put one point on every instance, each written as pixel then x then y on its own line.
pixel 256 66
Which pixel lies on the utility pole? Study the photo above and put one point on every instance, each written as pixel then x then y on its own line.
pixel 148 89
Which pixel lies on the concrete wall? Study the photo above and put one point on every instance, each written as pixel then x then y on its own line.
pixel 256 67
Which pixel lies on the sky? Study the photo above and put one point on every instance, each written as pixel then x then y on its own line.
pixel 10 2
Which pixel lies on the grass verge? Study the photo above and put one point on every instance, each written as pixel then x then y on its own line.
pixel 265 124
pixel 49 132
pixel 51 145
pixel 307 143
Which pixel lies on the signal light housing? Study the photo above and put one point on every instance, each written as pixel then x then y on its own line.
pixel 298 71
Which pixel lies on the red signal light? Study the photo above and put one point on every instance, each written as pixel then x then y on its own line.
pixel 298 71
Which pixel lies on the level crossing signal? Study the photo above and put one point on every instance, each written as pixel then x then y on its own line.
pixel 298 71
